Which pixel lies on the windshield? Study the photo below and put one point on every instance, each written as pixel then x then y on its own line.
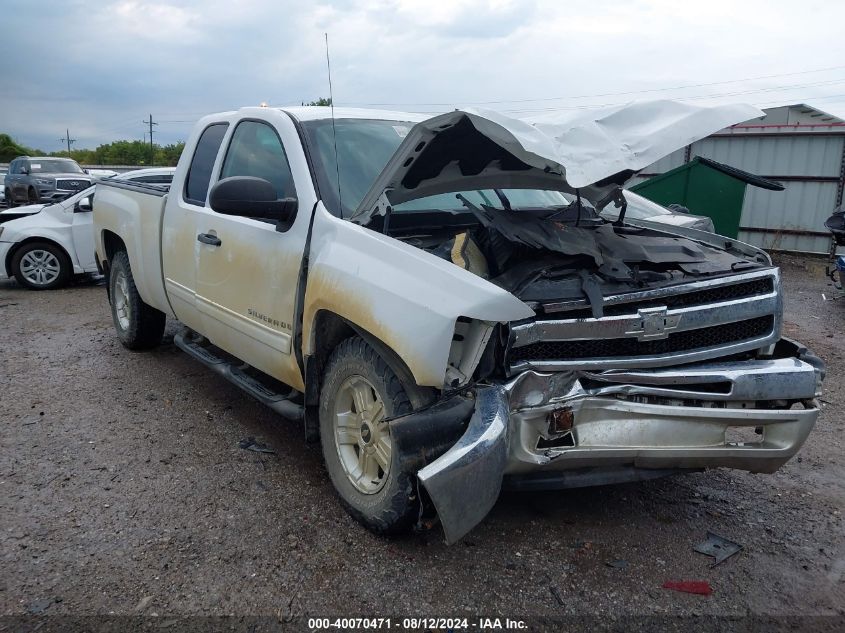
pixel 363 148
pixel 54 166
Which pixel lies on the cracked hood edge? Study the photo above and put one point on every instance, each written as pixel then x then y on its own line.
pixel 591 150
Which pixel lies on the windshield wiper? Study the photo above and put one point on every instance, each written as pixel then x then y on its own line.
pixel 503 199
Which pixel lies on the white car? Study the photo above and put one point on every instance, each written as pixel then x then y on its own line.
pixel 640 208
pixel 44 244
pixel 102 173
pixel 152 175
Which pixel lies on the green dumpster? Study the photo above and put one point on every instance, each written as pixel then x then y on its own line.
pixel 706 187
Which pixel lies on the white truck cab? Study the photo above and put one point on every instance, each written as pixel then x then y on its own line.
pixel 443 305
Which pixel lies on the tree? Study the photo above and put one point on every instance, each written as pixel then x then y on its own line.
pixel 114 153
pixel 322 101
pixel 10 150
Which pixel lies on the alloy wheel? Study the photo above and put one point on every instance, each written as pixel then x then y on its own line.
pixel 362 435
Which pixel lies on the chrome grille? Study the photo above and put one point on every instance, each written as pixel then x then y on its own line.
pixel 683 299
pixel 72 184
pixel 666 326
pixel 681 342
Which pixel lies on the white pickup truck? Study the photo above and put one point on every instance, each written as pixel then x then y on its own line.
pixel 443 306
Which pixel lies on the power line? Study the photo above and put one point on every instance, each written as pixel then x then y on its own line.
pixel 806 99
pixel 151 123
pixel 691 98
pixel 67 139
pixel 606 94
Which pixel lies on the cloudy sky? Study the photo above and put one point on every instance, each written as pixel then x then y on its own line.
pixel 100 67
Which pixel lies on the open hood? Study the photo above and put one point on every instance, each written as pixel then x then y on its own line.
pixel 594 151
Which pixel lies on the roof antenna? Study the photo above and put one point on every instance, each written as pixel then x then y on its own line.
pixel 334 131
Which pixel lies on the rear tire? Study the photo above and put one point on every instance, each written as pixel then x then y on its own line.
pixel 9 200
pixel 138 325
pixel 41 266
pixel 358 394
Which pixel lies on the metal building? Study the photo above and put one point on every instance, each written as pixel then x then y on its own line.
pixel 798 145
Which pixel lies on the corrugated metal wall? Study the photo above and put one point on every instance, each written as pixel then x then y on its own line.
pixel 809 165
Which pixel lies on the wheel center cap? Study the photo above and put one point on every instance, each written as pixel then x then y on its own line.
pixel 366 433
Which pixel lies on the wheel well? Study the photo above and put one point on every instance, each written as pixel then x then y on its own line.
pixel 330 329
pixel 11 254
pixel 112 243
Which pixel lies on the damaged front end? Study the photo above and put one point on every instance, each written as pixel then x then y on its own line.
pixel 582 427
pixel 643 350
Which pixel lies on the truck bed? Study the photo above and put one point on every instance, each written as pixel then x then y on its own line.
pixel 132 213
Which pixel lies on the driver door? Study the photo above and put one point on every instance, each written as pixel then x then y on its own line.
pixel 247 269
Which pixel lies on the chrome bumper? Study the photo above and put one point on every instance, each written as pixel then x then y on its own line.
pixel 622 425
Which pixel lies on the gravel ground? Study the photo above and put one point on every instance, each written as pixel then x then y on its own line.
pixel 124 492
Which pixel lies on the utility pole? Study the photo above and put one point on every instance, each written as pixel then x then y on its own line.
pixel 151 123
pixel 67 139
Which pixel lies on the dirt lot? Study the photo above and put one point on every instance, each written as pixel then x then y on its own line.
pixel 124 492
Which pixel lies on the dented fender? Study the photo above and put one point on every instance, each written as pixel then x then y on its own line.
pixel 407 298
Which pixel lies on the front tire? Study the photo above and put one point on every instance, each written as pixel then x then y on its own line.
pixel 32 196
pixel 359 393
pixel 41 266
pixel 138 325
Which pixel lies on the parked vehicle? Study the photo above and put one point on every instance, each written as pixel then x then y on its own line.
pixel 836 225
pixel 155 175
pixel 43 179
pixel 102 173
pixel 418 293
pixel 151 175
pixel 640 208
pixel 49 243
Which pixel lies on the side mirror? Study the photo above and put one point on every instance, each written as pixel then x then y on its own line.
pixel 83 205
pixel 25 170
pixel 250 197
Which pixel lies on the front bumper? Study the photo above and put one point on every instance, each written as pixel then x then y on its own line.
pixel 5 247
pixel 576 428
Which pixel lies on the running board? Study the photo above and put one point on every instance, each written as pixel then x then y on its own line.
pixel 279 402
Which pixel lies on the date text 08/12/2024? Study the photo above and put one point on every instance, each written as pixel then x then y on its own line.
pixel 418 623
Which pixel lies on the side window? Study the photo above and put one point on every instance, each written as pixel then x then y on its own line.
pixel 199 173
pixel 256 150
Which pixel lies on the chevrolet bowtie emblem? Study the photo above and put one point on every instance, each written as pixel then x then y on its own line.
pixel 653 323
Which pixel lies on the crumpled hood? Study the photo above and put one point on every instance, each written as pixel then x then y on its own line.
pixel 591 150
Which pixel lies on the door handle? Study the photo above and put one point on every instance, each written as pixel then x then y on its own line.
pixel 208 238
